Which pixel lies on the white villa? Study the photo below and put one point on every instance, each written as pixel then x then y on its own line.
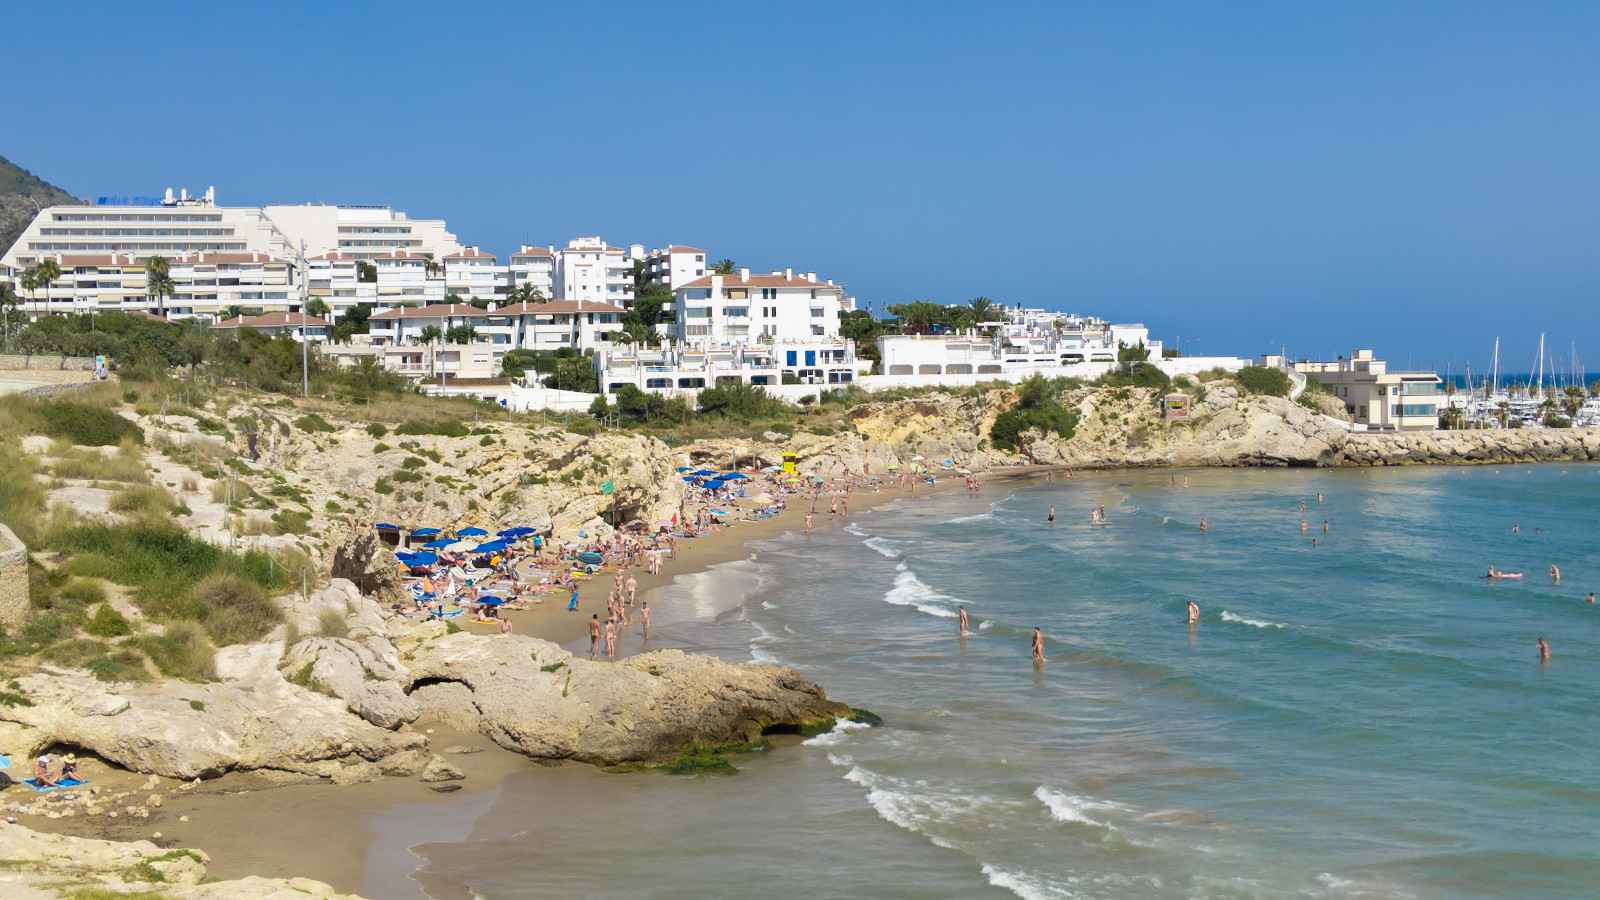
pixel 745 307
pixel 1376 397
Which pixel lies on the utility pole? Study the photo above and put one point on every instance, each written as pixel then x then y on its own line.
pixel 305 339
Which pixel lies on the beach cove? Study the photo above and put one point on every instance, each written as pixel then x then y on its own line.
pixel 1366 717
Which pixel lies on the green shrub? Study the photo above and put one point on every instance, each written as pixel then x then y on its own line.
pixel 162 562
pixel 331 624
pixel 237 611
pixel 1263 380
pixel 1138 374
pixel 313 423
pixel 183 652
pixel 107 622
pixel 404 476
pixel 448 428
pixel 486 441
pixel 290 521
pixel 382 486
pixel 86 592
pixel 144 500
pixel 413 462
pixel 1037 406
pixel 746 402
pixel 377 429
pixel 119 665
pixel 85 425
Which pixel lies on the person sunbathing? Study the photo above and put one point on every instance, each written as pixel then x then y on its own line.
pixel 41 771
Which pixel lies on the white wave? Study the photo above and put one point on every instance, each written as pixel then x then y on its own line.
pixel 909 590
pixel 854 529
pixel 979 517
pixel 985 625
pixel 914 806
pixel 1066 807
pixel 762 638
pixel 841 730
pixel 768 604
pixel 883 546
pixel 1025 885
pixel 1253 623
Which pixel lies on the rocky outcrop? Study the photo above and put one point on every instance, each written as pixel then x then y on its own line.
pixel 1517 445
pixel 537 699
pixel 360 674
pixel 183 730
pixel 34 864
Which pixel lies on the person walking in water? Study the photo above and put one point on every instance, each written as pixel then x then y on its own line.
pixel 644 617
pixel 611 638
pixel 594 634
pixel 1050 517
pixel 1194 613
pixel 1555 574
pixel 808 523
pixel 1544 650
pixel 572 602
pixel 962 626
pixel 1038 646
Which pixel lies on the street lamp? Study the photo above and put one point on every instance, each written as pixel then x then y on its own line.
pixel 305 341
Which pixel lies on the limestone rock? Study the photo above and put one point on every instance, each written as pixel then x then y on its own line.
pixel 439 769
pixel 449 703
pixel 160 730
pixel 645 708
pixel 363 674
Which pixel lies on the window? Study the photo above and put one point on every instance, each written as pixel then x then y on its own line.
pixel 817 312
pixel 769 293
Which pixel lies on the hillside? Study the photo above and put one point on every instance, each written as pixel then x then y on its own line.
pixel 19 191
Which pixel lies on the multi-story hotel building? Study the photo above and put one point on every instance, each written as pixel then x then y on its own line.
pixel 534 267
pixel 588 269
pixel 203 285
pixel 744 307
pixel 675 266
pixel 363 232
pixel 472 274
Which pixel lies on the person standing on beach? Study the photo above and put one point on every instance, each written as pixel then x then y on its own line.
pixel 808 523
pixel 1194 613
pixel 644 617
pixel 1038 646
pixel 572 602
pixel 1544 651
pixel 633 589
pixel 961 621
pixel 594 634
pixel 611 639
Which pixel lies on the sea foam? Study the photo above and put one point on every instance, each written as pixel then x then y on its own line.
pixel 1073 808
pixel 882 546
pixel 1253 623
pixel 909 590
pixel 1025 885
pixel 841 730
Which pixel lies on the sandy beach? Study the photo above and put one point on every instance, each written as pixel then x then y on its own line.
pixel 286 826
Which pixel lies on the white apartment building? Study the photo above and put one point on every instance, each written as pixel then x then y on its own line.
pixel 588 269
pixel 298 326
pixel 534 267
pixel 409 279
pixel 363 232
pixel 748 308
pixel 335 278
pixel 175 226
pixel 204 285
pixel 1374 396
pixel 528 326
pixel 685 370
pixel 675 266
pixel 472 274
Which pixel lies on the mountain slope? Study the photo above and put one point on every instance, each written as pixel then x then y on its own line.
pixel 19 191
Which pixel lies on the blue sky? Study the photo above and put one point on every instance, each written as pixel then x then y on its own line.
pixel 1414 177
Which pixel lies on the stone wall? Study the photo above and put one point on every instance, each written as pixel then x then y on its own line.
pixel 46 361
pixel 13 580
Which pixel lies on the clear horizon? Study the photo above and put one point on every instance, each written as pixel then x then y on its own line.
pixel 1418 181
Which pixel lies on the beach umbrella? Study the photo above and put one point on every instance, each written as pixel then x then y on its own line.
pixel 487 600
pixel 705 472
pixel 385 526
pixel 736 476
pixel 435 545
pixel 472 532
pixel 490 547
pixel 689 479
pixel 459 546
pixel 684 468
pixel 425 532
pixel 918 458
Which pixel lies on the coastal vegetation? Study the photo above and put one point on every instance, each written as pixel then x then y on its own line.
pixel 1038 407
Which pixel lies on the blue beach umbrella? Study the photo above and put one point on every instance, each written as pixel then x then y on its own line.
pixel 490 547
pixel 425 532
pixel 385 526
pixel 435 545
pixel 735 476
pixel 487 600
pixel 472 532
pixel 705 472
pixel 683 469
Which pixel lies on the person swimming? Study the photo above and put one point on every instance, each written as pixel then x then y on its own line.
pixel 1544 650
pixel 1194 612
pixel 962 625
pixel 1038 646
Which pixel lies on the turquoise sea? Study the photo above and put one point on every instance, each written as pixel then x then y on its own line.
pixel 1362 718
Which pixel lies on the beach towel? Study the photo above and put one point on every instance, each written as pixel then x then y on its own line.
pixel 60 785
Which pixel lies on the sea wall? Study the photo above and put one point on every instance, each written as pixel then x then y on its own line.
pixel 1519 445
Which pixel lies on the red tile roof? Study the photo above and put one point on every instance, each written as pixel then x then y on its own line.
pixel 677 249
pixel 431 311
pixel 773 280
pixel 270 320
pixel 558 306
pixel 472 253
pixel 532 251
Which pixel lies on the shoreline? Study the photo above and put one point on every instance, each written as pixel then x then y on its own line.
pixel 347 835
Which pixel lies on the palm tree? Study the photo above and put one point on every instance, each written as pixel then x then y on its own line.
pixel 963 318
pixel 234 311
pixel 1505 412
pixel 982 309
pixel 316 307
pixel 46 272
pixel 916 316
pixel 8 303
pixel 1572 401
pixel 30 283
pixel 157 280
pixel 724 266
pixel 527 293
pixel 430 334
